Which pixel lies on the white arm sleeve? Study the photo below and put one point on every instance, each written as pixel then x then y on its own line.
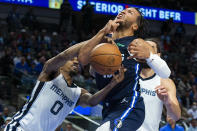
pixel 159 66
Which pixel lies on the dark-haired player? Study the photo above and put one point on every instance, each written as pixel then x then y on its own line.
pixel 157 92
pixel 123 108
pixel 55 95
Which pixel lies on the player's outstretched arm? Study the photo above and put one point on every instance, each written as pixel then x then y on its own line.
pixel 51 67
pixel 167 93
pixel 86 99
pixel 84 53
pixel 142 50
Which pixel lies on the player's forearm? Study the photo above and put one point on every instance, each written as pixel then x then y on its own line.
pixel 159 66
pixel 58 61
pixel 100 95
pixel 173 110
pixel 87 48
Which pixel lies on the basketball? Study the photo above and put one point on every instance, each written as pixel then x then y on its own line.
pixel 105 58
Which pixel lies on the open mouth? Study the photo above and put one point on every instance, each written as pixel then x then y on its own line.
pixel 76 67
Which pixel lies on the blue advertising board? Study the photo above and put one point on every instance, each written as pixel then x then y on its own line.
pixel 113 8
pixel 55 4
pixel 39 3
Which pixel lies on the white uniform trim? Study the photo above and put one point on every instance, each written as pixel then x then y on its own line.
pixel 153 105
pixel 48 106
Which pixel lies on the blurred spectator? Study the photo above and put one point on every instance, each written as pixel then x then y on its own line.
pixel 30 20
pixel 1 109
pixel 5 113
pixel 193 125
pixel 69 127
pixel 193 111
pixel 1 39
pixel 5 90
pixel 186 98
pixel 40 65
pixel 184 114
pixel 32 70
pixel 87 11
pixel 180 31
pixel 6 62
pixel 22 67
pixel 171 126
pixel 194 39
pixel 13 20
pixel 167 26
pixel 65 15
pixel 17 58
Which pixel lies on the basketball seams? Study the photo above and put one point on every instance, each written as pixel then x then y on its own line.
pixel 94 62
pixel 105 58
pixel 105 54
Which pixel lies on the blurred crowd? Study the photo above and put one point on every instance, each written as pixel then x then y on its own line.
pixel 25 46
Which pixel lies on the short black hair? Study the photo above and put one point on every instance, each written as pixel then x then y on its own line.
pixel 142 25
pixel 156 41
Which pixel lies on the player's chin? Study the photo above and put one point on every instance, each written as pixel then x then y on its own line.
pixel 74 72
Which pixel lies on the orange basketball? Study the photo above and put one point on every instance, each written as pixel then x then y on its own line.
pixel 105 58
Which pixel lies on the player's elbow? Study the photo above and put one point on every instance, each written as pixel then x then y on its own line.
pixel 177 116
pixel 83 59
pixel 91 102
pixel 46 66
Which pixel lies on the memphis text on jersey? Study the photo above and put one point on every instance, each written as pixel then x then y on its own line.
pixel 59 92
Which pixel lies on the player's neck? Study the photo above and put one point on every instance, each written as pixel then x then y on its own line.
pixel 122 33
pixel 67 77
pixel 146 73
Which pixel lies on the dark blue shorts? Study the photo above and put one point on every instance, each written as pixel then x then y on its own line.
pixel 131 120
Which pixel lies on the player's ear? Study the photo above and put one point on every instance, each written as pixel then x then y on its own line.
pixel 135 27
pixel 61 68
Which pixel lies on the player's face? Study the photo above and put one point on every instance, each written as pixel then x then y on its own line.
pixel 72 66
pixel 127 17
pixel 154 46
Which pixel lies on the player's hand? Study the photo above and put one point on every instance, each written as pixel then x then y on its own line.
pixel 140 49
pixel 108 40
pixel 117 78
pixel 111 26
pixel 162 93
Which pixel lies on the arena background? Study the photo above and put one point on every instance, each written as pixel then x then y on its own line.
pixel 32 32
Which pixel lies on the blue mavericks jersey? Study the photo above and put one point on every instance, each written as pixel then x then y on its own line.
pixel 129 87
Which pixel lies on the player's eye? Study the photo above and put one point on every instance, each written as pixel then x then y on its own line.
pixel 130 12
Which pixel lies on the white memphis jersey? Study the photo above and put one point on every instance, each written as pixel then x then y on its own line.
pixel 153 105
pixel 49 104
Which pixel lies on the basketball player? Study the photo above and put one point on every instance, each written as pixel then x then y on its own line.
pixel 123 108
pixel 55 95
pixel 157 92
